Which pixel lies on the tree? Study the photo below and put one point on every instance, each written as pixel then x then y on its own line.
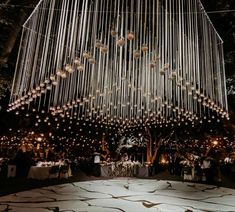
pixel 154 144
pixel 12 15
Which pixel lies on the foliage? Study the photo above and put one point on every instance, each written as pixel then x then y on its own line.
pixel 5 85
pixel 231 86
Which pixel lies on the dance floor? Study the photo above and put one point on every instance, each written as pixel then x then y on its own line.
pixel 122 194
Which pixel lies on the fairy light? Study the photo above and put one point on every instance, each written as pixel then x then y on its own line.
pixel 121 65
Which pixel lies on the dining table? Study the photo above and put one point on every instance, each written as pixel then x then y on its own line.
pixel 42 171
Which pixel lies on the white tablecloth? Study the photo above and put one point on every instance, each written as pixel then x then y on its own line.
pixel 42 173
pixel 127 169
pixel 106 170
pixel 143 171
pixel 39 173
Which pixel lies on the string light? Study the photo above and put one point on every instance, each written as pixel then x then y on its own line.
pixel 119 62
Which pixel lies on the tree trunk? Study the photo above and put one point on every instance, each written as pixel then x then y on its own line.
pixel 149 146
pixel 152 152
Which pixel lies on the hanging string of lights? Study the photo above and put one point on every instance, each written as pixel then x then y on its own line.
pixel 121 63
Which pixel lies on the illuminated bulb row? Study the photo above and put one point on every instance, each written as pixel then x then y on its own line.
pixel 210 105
pixel 34 93
pixel 200 97
pixel 188 116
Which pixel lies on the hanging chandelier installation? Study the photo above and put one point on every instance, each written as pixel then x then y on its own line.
pixel 121 63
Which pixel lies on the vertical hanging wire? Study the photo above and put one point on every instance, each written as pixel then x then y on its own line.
pixel 76 58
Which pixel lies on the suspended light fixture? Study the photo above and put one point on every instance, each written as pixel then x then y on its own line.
pixel 121 63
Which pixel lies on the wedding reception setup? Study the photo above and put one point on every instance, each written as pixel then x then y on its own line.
pixel 118 105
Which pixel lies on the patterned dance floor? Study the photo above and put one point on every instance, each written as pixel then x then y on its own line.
pixel 122 194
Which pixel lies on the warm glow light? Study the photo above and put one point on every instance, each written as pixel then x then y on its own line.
pixel 215 143
pixel 39 139
pixel 139 57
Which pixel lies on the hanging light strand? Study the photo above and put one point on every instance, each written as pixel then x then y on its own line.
pixel 146 62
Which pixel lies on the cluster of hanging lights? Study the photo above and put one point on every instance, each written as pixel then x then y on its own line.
pixel 121 63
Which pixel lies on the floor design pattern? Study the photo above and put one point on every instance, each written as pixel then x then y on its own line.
pixel 122 194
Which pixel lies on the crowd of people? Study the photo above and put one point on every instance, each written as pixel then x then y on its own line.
pixel 200 168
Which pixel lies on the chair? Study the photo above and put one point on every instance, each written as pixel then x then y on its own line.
pixel 187 173
pixel 11 171
pixel 64 171
pixel 54 172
